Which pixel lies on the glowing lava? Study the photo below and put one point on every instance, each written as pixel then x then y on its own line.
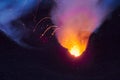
pixel 75 51
pixel 77 20
pixel 74 41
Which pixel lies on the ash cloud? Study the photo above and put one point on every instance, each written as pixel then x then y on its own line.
pixel 67 11
pixel 63 13
pixel 11 11
pixel 76 16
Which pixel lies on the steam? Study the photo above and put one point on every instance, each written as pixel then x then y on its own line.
pixel 10 11
pixel 76 13
pixel 77 19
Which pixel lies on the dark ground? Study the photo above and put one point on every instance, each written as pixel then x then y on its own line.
pixel 50 61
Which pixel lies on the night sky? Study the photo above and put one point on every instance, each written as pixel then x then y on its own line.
pixel 45 59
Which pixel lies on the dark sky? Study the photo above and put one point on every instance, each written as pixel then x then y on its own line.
pixel 49 61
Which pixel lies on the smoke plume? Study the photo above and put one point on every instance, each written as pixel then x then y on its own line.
pixel 77 19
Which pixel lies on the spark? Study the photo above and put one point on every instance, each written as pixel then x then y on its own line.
pixel 55 30
pixel 46 30
pixel 50 27
pixel 40 22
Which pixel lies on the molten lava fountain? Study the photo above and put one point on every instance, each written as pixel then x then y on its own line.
pixel 77 19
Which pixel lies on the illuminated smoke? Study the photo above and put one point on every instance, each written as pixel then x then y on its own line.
pixel 77 19
pixel 76 16
pixel 10 11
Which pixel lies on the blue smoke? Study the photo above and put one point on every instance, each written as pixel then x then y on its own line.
pixel 11 10
pixel 109 5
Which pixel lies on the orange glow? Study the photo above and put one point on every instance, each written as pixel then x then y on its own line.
pixel 75 51
pixel 74 41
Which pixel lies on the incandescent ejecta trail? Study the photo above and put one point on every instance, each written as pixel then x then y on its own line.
pixel 77 20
